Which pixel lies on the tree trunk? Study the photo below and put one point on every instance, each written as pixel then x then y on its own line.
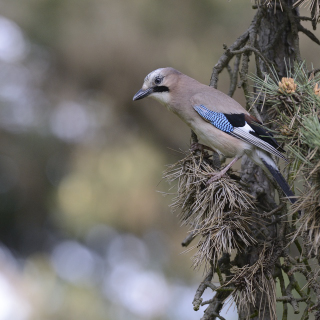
pixel 279 43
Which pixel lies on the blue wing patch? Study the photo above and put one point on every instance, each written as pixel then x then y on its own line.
pixel 217 119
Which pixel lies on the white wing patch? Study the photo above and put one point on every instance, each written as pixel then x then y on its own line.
pixel 247 128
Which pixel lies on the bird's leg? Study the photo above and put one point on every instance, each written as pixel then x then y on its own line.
pixel 198 146
pixel 218 175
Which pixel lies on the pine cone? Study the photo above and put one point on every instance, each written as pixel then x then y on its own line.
pixel 287 85
pixel 286 131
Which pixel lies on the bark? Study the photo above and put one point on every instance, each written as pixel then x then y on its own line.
pixel 277 39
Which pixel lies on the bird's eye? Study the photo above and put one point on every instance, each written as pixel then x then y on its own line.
pixel 157 80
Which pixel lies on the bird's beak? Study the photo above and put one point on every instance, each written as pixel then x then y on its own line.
pixel 142 94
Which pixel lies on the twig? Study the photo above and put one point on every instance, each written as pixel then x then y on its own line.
pixel 244 79
pixel 219 275
pixel 234 78
pixel 308 33
pixel 291 299
pixel 197 300
pixel 303 18
pixel 214 307
pixel 288 299
pixel 218 315
pixel 305 315
pixel 188 239
pixel 274 211
pixel 255 50
pixel 210 285
pixel 240 42
pixel 283 291
pixel 212 300
pixel 226 57
pixel 206 302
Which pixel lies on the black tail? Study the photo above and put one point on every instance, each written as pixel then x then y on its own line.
pixel 280 180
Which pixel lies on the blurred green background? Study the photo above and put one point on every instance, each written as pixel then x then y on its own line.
pixel 84 234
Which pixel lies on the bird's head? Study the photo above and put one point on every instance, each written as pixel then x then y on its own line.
pixel 158 84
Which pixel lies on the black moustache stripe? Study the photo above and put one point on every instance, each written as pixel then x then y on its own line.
pixel 161 89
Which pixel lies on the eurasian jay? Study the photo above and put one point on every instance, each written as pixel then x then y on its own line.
pixel 219 121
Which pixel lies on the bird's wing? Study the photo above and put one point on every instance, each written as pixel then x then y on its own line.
pixel 243 127
pixel 216 100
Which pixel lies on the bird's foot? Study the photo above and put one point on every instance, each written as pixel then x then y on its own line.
pixel 198 146
pixel 215 176
pixel 218 175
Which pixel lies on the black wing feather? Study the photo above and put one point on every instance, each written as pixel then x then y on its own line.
pixel 265 135
pixel 239 120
